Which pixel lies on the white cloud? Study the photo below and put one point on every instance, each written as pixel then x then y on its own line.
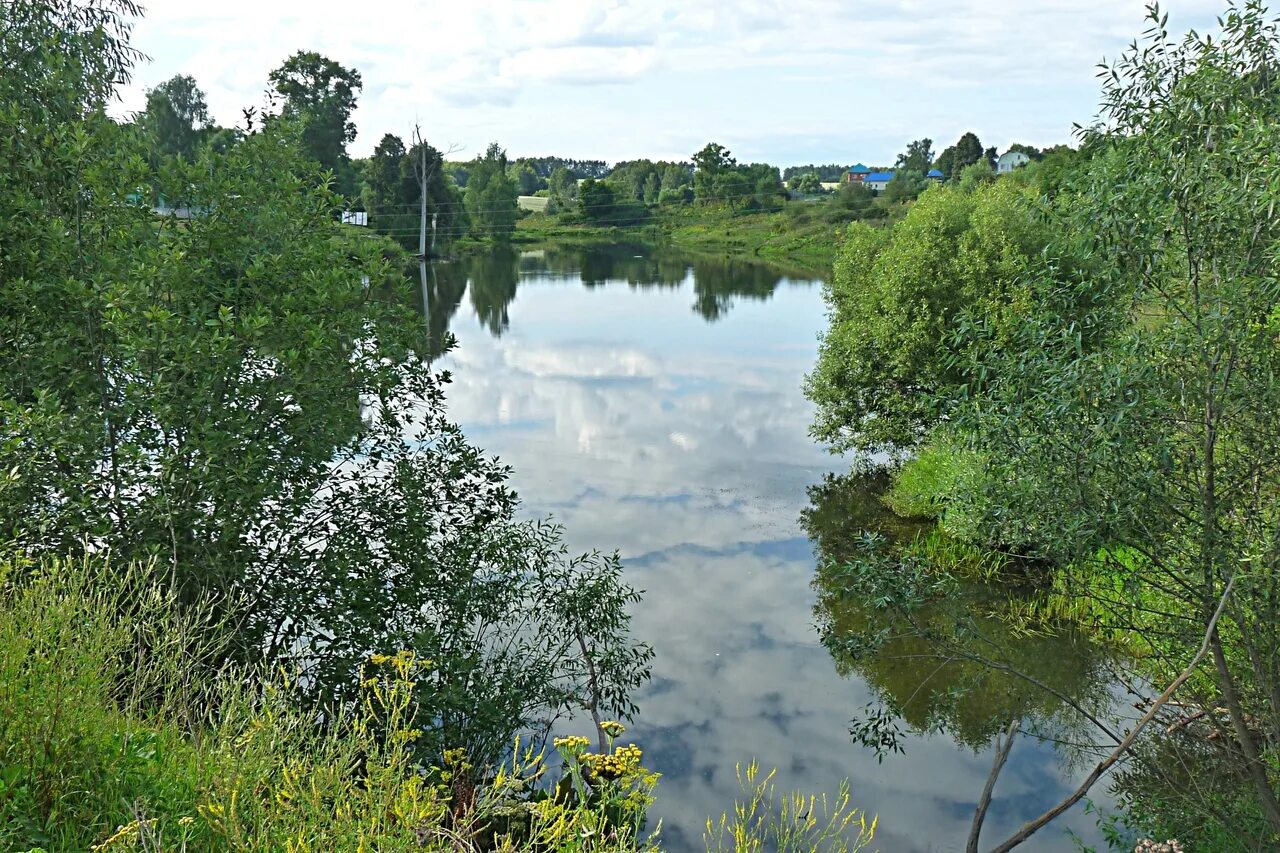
pixel 655 77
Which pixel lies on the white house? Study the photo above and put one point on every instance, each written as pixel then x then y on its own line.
pixel 1011 160
pixel 877 181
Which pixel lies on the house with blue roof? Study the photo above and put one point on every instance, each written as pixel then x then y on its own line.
pixel 878 181
pixel 856 174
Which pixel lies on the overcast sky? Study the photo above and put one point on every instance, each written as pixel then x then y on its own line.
pixel 783 81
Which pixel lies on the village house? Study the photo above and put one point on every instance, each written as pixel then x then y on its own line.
pixel 879 181
pixel 856 174
pixel 1011 160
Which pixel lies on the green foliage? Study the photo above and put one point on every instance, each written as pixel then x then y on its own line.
pixel 599 204
pixel 85 668
pixel 524 177
pixel 117 733
pixel 894 298
pixel 954 159
pixel 711 179
pixel 921 622
pixel 175 115
pixel 392 193
pixel 562 188
pixel 941 481
pixel 807 183
pixel 788 822
pixel 321 94
pixel 491 196
pixel 240 401
pixel 917 158
pixel 683 195
pixel 830 172
pixel 1153 433
pixel 975 175
pixel 1120 389
pixel 907 184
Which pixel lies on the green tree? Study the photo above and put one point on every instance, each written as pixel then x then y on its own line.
pixel 1136 405
pixel 955 158
pixel 596 201
pixel 384 174
pixel 491 195
pixel 321 94
pixel 907 184
pixel 894 298
pixel 652 187
pixel 806 183
pixel 175 116
pixel 562 188
pixel 524 177
pixel 766 184
pixel 710 163
pixel 675 176
pixel 917 158
pixel 220 401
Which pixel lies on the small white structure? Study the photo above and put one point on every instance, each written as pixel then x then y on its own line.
pixel 355 217
pixel 1011 160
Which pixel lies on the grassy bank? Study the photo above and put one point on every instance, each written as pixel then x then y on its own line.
pixel 802 235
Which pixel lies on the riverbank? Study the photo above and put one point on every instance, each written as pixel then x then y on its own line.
pixel 802 235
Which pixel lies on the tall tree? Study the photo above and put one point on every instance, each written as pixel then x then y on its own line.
pixel 918 157
pixel 562 187
pixel 953 160
pixel 1137 404
pixel 385 174
pixel 491 195
pixel 322 95
pixel 176 114
pixel 709 164
pixel 220 402
pixel 524 177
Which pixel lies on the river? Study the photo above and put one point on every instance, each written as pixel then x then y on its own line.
pixel 651 402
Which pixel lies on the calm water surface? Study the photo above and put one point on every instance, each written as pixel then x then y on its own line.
pixel 652 403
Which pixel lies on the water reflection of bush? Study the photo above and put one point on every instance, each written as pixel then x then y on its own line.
pixel 492 279
pixel 951 668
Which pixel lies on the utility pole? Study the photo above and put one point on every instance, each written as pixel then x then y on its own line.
pixel 422 179
pixel 423 174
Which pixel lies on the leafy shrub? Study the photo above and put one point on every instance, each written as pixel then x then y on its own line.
pixel 116 733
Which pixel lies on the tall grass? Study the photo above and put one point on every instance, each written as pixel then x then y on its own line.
pixel 119 731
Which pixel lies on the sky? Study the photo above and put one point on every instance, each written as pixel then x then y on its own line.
pixel 781 81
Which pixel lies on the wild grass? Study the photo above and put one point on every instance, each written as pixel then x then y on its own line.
pixel 767 818
pixel 120 731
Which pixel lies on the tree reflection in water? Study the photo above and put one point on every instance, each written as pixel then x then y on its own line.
pixel 952 660
pixel 493 277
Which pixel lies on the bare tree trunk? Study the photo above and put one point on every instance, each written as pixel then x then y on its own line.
pixel 1257 772
pixel 984 802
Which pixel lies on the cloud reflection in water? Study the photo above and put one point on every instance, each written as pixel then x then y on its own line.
pixel 668 422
